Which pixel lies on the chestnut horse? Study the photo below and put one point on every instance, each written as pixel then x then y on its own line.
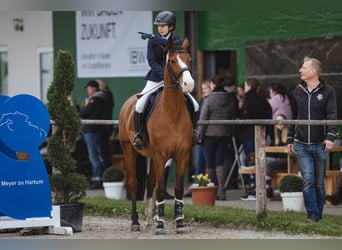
pixel 170 136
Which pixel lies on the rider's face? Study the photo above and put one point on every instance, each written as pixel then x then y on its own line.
pixel 164 30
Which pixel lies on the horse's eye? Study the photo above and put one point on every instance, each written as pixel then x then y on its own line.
pixel 172 61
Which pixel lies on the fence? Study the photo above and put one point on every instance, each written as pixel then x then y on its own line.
pixel 260 143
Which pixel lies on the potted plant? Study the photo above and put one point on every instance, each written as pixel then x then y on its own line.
pixel 203 191
pixel 290 188
pixel 113 183
pixel 67 186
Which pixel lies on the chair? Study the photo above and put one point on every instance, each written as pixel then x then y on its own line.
pixel 236 163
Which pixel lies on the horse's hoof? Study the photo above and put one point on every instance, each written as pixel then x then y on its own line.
pixel 135 228
pixel 160 231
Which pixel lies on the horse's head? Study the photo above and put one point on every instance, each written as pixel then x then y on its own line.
pixel 178 66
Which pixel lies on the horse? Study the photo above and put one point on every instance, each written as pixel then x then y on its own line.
pixel 170 131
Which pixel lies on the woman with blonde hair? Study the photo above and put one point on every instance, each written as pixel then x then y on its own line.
pixel 276 161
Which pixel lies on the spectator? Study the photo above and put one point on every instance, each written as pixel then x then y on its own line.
pixel 230 152
pixel 255 106
pixel 312 100
pixel 94 108
pixel 279 101
pixel 217 106
pixel 240 94
pixel 199 156
pixel 105 145
pixel 276 161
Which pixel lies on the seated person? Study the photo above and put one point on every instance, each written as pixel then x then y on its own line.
pixel 275 161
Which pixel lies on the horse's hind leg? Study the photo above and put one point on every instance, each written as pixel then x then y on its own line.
pixel 130 168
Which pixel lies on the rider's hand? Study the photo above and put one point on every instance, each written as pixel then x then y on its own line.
pixel 146 35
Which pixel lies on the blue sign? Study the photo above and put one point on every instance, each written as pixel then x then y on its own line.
pixel 24 184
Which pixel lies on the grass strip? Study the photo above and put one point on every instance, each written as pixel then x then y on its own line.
pixel 225 217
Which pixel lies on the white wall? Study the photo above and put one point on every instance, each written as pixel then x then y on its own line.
pixel 23 70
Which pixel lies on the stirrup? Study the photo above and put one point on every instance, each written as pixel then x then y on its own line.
pixel 138 141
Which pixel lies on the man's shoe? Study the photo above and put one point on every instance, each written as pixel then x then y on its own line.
pixel 311 218
pixel 138 141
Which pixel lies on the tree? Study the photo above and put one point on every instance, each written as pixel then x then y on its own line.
pixel 66 184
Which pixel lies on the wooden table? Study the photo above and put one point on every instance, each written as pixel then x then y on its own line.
pixel 292 167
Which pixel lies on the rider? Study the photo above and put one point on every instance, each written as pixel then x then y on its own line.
pixel 156 55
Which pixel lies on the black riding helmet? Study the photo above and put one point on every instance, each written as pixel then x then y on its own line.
pixel 165 18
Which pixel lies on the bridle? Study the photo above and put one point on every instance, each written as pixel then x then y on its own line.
pixel 175 76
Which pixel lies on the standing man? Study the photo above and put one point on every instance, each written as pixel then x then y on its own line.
pixel 312 100
pixel 106 148
pixel 94 109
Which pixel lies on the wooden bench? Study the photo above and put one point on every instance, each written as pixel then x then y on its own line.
pixel 277 175
pixel 330 181
pixel 246 170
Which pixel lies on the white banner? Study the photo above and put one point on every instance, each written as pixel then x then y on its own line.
pixel 108 43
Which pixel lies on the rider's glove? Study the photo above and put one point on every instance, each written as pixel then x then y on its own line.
pixel 146 35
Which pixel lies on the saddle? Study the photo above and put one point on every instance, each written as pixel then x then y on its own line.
pixel 150 104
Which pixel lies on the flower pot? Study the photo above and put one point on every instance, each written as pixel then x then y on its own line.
pixel 203 195
pixel 292 201
pixel 114 190
pixel 71 215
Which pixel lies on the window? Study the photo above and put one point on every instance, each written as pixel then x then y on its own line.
pixel 3 70
pixel 45 57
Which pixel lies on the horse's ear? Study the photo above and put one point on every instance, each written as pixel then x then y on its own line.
pixel 169 44
pixel 185 44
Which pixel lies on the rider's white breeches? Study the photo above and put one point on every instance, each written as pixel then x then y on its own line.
pixel 149 88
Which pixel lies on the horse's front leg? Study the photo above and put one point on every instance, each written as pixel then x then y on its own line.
pixel 160 202
pixel 179 192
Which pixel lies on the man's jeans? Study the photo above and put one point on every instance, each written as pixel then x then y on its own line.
pixel 312 163
pixel 93 142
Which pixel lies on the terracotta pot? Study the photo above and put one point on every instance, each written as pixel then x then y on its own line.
pixel 203 195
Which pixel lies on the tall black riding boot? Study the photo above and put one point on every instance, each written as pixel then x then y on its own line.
pixel 167 196
pixel 138 140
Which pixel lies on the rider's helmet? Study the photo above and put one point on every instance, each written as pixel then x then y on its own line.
pixel 165 18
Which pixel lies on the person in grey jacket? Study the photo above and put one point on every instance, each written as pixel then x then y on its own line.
pixel 312 100
pixel 217 106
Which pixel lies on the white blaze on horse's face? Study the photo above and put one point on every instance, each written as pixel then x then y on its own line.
pixel 188 82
